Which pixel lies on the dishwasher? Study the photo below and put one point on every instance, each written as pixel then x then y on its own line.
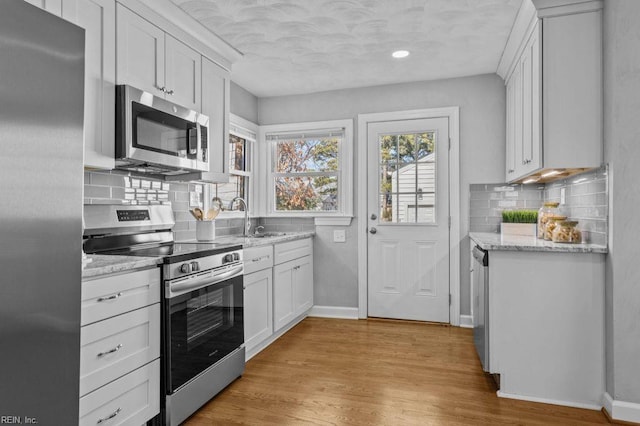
pixel 481 304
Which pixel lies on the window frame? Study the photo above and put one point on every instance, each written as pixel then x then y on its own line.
pixel 245 129
pixel 344 214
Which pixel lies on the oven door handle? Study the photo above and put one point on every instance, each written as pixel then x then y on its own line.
pixel 207 279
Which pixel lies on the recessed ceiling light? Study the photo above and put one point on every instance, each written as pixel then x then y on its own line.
pixel 400 54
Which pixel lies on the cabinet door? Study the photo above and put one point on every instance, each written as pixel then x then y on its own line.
pixel 140 52
pixel 258 312
pixel 531 140
pixel 52 6
pixel 182 74
pixel 283 295
pixel 303 285
pixel 215 105
pixel 98 19
pixel 511 131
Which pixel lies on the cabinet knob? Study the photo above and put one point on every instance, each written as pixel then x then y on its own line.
pixel 510 171
pixel 373 230
pixel 169 92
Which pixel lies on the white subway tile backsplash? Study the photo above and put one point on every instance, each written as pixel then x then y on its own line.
pixel 586 200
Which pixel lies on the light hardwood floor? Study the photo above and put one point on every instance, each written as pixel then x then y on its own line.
pixel 374 372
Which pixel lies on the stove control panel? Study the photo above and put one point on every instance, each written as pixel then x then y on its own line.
pixel 231 257
pixel 200 264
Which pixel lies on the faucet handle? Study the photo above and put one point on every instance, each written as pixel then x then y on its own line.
pixel 259 229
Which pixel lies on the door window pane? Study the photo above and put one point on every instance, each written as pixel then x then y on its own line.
pixel 407 177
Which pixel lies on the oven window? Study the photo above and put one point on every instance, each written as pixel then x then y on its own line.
pixel 208 313
pixel 203 327
pixel 160 132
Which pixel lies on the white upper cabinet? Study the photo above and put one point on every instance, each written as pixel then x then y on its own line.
pixel 182 74
pixel 153 61
pixel 98 19
pixel 552 66
pixel 523 154
pixel 140 53
pixel 52 6
pixel 215 105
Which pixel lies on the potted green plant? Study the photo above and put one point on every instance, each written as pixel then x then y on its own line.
pixel 519 222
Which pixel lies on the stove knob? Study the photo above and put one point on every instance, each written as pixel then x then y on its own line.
pixel 228 258
pixel 185 268
pixel 236 256
pixel 195 266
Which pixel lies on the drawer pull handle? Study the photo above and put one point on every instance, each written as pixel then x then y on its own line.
pixel 110 416
pixel 258 259
pixel 112 297
pixel 110 351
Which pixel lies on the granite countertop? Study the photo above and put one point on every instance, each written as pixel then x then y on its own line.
pixel 269 238
pixel 102 264
pixel 495 241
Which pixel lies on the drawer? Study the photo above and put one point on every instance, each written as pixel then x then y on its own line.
pixel 113 347
pixel 290 250
pixel 132 399
pixel 115 294
pixel 257 258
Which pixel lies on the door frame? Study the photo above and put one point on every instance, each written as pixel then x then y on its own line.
pixel 452 113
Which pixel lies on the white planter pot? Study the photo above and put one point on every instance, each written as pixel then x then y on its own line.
pixel 524 229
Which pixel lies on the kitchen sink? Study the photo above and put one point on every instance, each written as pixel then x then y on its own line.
pixel 269 234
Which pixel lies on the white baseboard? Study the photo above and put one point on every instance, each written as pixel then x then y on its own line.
pixel 587 406
pixel 466 321
pixel 621 410
pixel 334 312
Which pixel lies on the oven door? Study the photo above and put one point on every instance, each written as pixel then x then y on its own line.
pixel 153 130
pixel 202 327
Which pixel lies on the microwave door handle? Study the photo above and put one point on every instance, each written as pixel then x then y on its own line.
pixel 192 140
pixel 204 138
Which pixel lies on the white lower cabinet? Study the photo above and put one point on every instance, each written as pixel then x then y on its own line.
pixel 292 281
pixel 546 320
pixel 258 318
pixel 131 400
pixel 276 297
pixel 120 348
pixel 109 348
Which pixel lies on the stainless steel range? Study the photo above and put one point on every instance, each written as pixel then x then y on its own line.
pixel 202 304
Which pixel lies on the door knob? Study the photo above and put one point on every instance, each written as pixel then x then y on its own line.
pixel 373 216
pixel 373 230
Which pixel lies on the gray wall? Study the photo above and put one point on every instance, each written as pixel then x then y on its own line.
pixel 622 152
pixel 482 144
pixel 243 103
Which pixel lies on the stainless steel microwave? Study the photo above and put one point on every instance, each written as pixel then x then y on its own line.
pixel 158 137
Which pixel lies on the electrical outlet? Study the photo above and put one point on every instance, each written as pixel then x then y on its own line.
pixel 562 199
pixel 194 199
pixel 339 236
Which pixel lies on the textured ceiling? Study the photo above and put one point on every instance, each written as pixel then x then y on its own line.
pixel 306 46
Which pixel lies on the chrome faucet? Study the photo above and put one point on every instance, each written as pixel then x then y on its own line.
pixel 247 224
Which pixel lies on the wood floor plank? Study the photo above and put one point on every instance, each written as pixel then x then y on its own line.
pixel 374 372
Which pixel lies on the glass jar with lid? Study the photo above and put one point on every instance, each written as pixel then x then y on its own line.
pixel 565 232
pixel 550 226
pixel 548 209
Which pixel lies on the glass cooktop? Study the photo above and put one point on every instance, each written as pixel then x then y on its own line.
pixel 177 252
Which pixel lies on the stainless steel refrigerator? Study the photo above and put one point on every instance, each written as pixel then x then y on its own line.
pixel 41 184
